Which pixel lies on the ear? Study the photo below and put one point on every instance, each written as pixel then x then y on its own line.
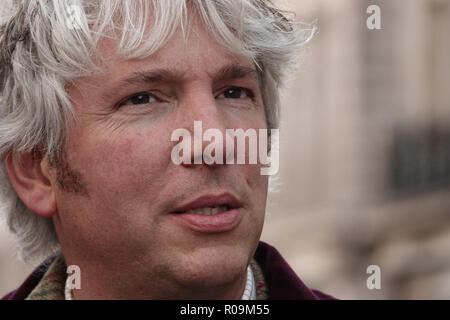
pixel 30 177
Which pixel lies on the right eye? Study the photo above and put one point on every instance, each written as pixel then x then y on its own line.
pixel 139 98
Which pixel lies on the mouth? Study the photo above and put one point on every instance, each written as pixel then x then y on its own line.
pixel 210 213
pixel 207 211
pixel 209 205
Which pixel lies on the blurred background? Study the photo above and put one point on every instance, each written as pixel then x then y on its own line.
pixel 364 154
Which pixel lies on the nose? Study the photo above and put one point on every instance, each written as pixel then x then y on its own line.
pixel 207 124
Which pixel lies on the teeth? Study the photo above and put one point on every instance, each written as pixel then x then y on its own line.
pixel 208 210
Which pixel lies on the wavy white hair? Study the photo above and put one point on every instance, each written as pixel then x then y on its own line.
pixel 44 45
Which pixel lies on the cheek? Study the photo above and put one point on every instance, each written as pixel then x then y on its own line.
pixel 123 175
pixel 121 167
pixel 259 186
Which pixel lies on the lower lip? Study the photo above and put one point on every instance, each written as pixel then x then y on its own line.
pixel 220 222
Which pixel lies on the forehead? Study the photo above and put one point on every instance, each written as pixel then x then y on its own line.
pixel 190 55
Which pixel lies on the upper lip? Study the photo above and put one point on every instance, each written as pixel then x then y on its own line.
pixel 209 200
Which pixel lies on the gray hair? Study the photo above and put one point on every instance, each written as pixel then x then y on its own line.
pixel 45 45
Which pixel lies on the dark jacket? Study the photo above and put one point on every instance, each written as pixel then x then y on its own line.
pixel 281 281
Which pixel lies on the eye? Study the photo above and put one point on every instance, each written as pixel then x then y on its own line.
pixel 235 93
pixel 139 98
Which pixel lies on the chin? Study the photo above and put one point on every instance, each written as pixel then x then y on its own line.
pixel 208 267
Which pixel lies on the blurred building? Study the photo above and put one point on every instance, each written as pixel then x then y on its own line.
pixel 365 151
pixel 365 154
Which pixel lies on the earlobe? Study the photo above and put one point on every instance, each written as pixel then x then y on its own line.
pixel 30 178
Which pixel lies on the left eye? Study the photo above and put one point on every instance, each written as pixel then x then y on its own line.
pixel 141 98
pixel 235 93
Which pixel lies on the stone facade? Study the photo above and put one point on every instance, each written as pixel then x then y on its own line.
pixel 365 152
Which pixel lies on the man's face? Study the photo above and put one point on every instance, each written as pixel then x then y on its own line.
pixel 122 216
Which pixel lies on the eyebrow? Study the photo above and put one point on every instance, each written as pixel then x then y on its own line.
pixel 158 75
pixel 234 71
pixel 228 72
